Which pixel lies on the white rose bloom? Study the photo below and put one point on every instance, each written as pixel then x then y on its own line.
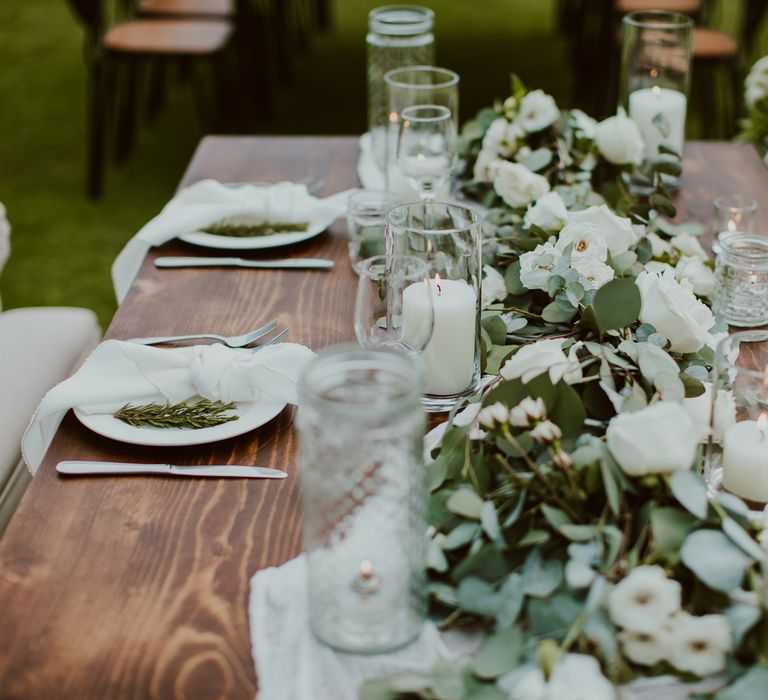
pixel 700 409
pixel 699 644
pixel 657 439
pixel 536 265
pixel 544 355
pixel 502 137
pixel 578 677
pixel 549 212
pixel 494 288
pixel 584 123
pixel 528 683
pixel 619 140
pixel 644 648
pixel 517 185
pixel 689 245
pixel 486 165
pixel 493 415
pixel 672 309
pixel 643 600
pixel 756 84
pixel 659 245
pixel 658 268
pixel 616 230
pixel 537 111
pixel 698 274
pixel 594 272
pixel 586 240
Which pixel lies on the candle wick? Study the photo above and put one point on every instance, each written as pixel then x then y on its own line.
pixel 439 288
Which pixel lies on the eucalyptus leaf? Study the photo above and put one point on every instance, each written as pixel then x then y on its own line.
pixel 510 601
pixel 579 533
pixel 466 502
pixel 617 304
pixel 435 557
pixel 512 279
pixel 752 686
pixel 742 618
pixel 670 528
pixel 461 535
pixel 691 492
pixel 499 654
pixel 714 559
pixel 477 596
pixel 490 521
pixel 739 536
pixel 541 577
pixel 496 328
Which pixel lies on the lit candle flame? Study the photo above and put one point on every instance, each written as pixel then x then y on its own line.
pixel 393 117
pixel 366 570
pixel 654 73
pixel 437 284
pixel 762 426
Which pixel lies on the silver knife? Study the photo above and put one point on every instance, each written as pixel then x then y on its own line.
pixel 218 471
pixel 285 263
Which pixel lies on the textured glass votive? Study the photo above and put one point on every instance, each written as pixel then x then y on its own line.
pixel 732 215
pixel 366 211
pixel 363 481
pixel 741 269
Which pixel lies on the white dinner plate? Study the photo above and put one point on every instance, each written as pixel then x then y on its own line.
pixel 251 415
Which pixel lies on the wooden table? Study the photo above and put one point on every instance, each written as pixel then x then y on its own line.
pixel 117 588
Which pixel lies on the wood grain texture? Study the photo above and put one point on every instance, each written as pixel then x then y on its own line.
pixel 135 588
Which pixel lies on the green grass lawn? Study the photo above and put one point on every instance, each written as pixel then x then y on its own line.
pixel 63 244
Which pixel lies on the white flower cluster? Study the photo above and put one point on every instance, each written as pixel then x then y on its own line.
pixel 591 234
pixel 646 605
pixel 619 140
pixel 756 84
pixel 575 677
pixel 691 258
pixel 544 356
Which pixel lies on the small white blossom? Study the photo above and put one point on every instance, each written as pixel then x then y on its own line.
pixel 595 273
pixel 510 107
pixel 659 246
pixel 584 123
pixel 546 432
pixel 543 356
pixel 689 245
pixel 644 648
pixel 536 265
pixel 529 409
pixel 537 111
pixel 486 165
pixel 699 645
pixel 493 415
pixel 644 600
pixel 549 213
pixel 502 137
pixel 494 287
pixel 518 186
pixel 578 574
pixel 562 460
pixel 586 240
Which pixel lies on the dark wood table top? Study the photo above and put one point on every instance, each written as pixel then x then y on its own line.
pixel 115 588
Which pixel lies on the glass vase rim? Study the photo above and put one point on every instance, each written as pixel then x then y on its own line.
pixel 756 252
pixel 422 20
pixel 451 77
pixel 724 202
pixel 422 271
pixel 658 19
pixel 348 356
pixel 474 218
pixel 754 335
pixel 443 114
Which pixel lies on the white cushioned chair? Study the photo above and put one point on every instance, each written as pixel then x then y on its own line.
pixel 39 347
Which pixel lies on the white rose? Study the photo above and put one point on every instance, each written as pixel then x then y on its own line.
pixel 700 409
pixel 644 648
pixel 699 644
pixel 584 123
pixel 698 274
pixel 517 185
pixel 537 111
pixel 756 84
pixel 549 212
pixel 616 230
pixel 619 140
pixel 659 245
pixel 594 272
pixel 486 165
pixel 525 683
pixel 578 677
pixel 657 439
pixel 586 240
pixel 543 356
pixel 536 265
pixel 502 137
pixel 644 600
pixel 494 287
pixel 672 309
pixel 689 245
pixel 658 268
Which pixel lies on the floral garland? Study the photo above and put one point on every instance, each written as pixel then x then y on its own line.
pixel 567 514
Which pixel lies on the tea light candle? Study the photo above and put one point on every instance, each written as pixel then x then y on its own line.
pixel 449 358
pixel 745 459
pixel 646 104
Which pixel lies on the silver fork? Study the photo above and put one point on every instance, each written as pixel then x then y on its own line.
pixel 233 341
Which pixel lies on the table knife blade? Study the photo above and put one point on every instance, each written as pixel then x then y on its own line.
pixel 284 263
pixel 212 470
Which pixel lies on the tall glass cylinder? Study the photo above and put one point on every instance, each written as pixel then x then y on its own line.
pixel 398 35
pixel 408 87
pixel 363 481
pixel 655 76
pixel 449 239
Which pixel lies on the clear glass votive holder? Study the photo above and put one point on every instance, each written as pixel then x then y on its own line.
pixel 449 238
pixel 366 212
pixel 741 270
pixel 655 78
pixel 737 451
pixel 360 428
pixel 398 35
pixel 733 214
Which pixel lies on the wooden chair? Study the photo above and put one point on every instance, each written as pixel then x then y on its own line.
pixel 716 66
pixel 116 57
pixel 203 9
pixel 683 7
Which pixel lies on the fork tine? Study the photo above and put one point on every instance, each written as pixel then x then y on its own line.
pixel 261 332
pixel 273 341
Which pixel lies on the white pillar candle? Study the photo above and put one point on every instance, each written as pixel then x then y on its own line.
pixel 745 460
pixel 645 104
pixel 449 358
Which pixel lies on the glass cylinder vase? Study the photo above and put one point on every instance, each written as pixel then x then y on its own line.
pixel 449 238
pixel 655 79
pixel 741 270
pixel 737 453
pixel 398 35
pixel 363 482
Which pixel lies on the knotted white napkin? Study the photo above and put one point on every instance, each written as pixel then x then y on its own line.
pixel 370 175
pixel 117 373
pixel 208 202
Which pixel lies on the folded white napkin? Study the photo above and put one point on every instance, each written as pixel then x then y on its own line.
pixel 370 175
pixel 208 202
pixel 117 373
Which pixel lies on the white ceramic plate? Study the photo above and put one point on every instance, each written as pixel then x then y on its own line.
pixel 250 416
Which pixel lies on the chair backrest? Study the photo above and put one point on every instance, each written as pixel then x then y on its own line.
pixel 91 14
pixel 5 241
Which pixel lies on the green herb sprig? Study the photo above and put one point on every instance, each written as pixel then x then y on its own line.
pixel 200 414
pixel 266 228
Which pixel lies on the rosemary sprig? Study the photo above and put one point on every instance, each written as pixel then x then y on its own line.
pixel 266 228
pixel 200 414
